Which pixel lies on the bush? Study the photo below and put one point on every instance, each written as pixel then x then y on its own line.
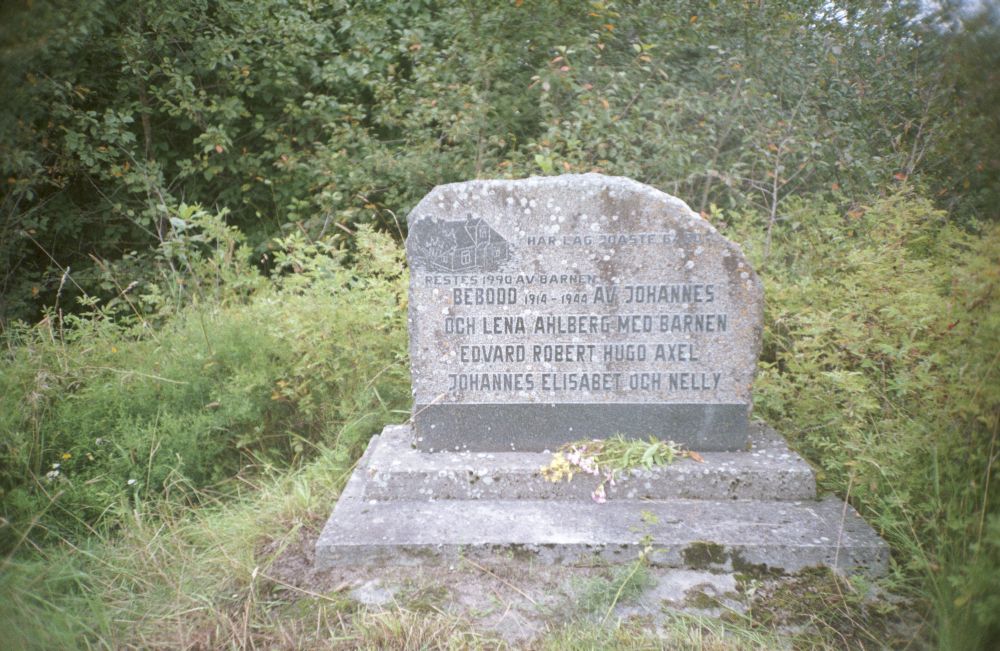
pixel 880 365
pixel 100 415
pixel 309 116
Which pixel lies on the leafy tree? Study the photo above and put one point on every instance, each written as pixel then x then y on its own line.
pixel 963 158
pixel 317 117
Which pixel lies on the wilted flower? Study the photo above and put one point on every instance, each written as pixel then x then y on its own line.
pixel 559 468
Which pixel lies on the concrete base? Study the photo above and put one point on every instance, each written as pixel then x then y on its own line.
pixel 752 511
pixel 767 471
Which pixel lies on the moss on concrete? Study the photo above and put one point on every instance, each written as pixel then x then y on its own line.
pixel 702 555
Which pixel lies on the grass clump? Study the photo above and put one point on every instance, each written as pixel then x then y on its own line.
pixel 817 608
pixel 176 577
pixel 680 632
pixel 600 595
pixel 405 630
pixel 209 578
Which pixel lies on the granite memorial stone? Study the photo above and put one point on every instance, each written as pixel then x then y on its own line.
pixel 554 309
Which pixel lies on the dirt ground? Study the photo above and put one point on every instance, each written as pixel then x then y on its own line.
pixel 518 599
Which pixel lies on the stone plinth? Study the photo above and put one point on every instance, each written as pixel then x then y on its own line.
pixel 750 511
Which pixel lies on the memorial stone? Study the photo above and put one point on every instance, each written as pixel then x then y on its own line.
pixel 554 309
pixel 550 310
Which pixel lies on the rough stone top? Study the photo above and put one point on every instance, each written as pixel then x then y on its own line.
pixel 556 308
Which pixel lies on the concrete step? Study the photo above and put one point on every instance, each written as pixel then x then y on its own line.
pixel 768 471
pixel 751 511
pixel 743 536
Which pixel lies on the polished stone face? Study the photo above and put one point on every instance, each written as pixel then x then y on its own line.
pixel 552 309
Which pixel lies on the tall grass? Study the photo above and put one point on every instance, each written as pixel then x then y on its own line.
pixel 169 577
pixel 101 416
pixel 881 364
pixel 156 456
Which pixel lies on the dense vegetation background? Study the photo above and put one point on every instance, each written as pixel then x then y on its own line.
pixel 202 292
